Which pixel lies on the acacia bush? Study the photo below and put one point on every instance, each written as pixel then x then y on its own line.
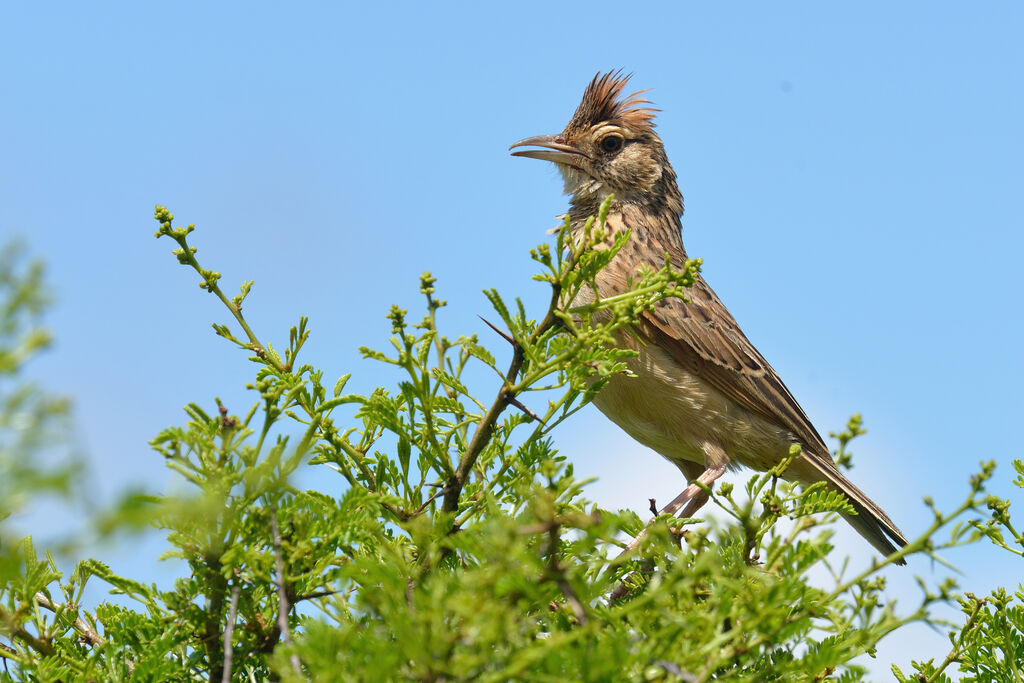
pixel 463 547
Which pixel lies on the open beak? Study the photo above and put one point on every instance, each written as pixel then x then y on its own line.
pixel 553 149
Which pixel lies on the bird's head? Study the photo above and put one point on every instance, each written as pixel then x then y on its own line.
pixel 609 146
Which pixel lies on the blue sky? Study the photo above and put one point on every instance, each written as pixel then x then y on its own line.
pixel 852 178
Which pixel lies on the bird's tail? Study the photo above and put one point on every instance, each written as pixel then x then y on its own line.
pixel 871 522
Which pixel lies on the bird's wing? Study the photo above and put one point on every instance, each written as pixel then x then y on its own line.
pixel 702 336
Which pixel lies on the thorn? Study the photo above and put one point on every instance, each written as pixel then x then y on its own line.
pixel 440 492
pixel 504 335
pixel 654 506
pixel 565 328
pixel 512 400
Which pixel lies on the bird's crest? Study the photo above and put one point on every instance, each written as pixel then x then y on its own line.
pixel 603 101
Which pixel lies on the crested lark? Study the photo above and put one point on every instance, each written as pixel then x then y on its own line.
pixel 703 396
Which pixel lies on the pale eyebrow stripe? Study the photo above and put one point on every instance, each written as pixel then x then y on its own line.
pixel 612 128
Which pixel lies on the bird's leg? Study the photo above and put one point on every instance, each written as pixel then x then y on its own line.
pixel 694 494
pixel 696 503
pixel 693 497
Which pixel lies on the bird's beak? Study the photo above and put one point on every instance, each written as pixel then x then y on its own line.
pixel 554 149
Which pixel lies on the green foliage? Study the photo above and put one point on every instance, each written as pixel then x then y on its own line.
pixel 462 547
pixel 32 423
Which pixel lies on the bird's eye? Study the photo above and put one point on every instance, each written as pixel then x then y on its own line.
pixel 611 143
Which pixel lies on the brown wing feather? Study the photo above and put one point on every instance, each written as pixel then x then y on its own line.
pixel 703 336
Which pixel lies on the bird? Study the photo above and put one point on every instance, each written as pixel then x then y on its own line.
pixel 700 394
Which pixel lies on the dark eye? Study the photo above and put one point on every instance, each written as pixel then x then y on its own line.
pixel 611 143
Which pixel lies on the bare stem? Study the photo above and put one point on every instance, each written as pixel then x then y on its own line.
pixel 88 635
pixel 229 631
pixel 957 650
pixel 282 597
pixel 556 571
pixel 485 428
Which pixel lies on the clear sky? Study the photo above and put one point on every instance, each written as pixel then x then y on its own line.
pixel 852 178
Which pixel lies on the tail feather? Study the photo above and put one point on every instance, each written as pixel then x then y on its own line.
pixel 871 522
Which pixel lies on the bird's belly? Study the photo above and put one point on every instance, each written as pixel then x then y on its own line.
pixel 682 417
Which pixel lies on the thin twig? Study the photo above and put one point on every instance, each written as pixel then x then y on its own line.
pixel 556 571
pixel 693 496
pixel 187 258
pixel 574 602
pixel 957 651
pixel 620 592
pixel 40 645
pixel 229 631
pixel 485 428
pixel 282 599
pixel 88 635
